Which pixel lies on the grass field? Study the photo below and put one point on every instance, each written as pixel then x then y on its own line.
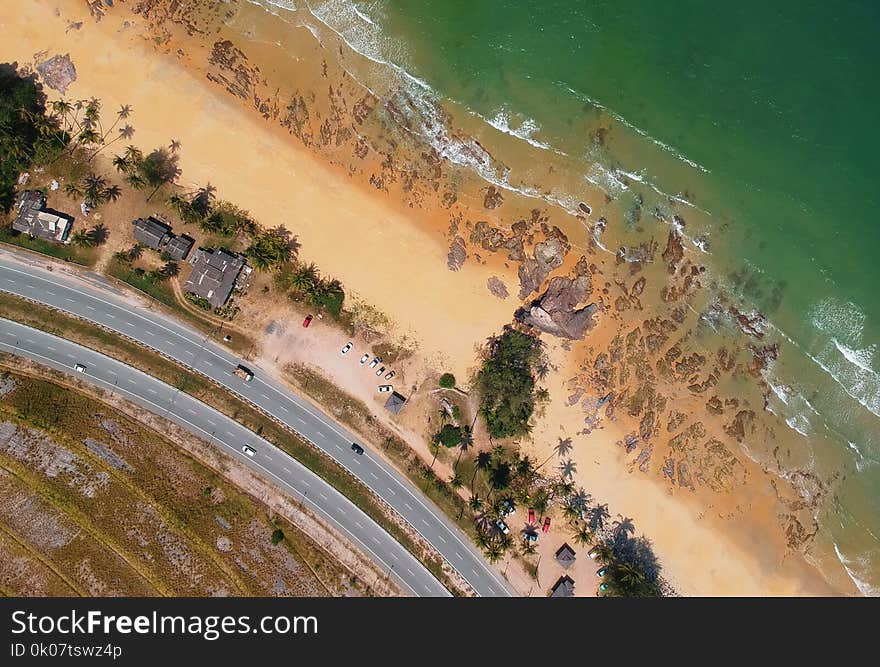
pixel 68 253
pixel 96 504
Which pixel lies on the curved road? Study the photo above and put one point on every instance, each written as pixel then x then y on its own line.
pixel 227 434
pixel 99 303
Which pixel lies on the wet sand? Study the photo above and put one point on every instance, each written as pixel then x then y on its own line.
pixel 396 259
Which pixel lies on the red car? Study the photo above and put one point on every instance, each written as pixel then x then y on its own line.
pixel 546 525
pixel 307 321
pixel 531 516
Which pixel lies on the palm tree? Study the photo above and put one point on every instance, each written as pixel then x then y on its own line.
pixel 528 547
pixel 598 517
pixel 623 526
pixel 467 439
pixel 112 192
pixel 482 462
pixel 82 238
pixel 174 145
pixel 136 251
pixel 93 187
pixel 72 189
pixel 475 503
pixel 494 552
pixel 568 468
pixel 99 234
pixel 580 499
pixel 583 535
pixel 562 448
pixel 304 278
pixel 455 481
pixel 171 269
pixel 629 575
pixel 484 523
pixel 603 553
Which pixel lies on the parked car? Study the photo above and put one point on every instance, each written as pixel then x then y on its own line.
pixel 532 536
pixel 546 526
pixel 375 362
pixel 364 359
pixel 227 338
pixel 507 507
pixel 502 526
pixel 307 321
pixel 385 388
pixel 603 587
pixel 592 553
pixel 356 448
pixel 244 373
pixel 602 571
pixel 381 370
pixel 389 375
pixel 247 449
pixel 347 348
pixel 532 516
pixel 79 368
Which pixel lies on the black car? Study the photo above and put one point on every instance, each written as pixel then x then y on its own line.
pixel 356 448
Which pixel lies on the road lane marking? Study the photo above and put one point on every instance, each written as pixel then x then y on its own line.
pixel 391 491
pixel 358 524
pixel 286 469
pixel 322 495
pixel 440 537
pixel 373 475
pixel 90 307
pixel 373 537
pixel 408 506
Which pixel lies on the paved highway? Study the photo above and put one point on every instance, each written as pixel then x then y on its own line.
pixel 224 432
pixel 100 302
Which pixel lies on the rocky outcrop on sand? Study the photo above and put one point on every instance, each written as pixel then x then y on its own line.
pixel 497 287
pixel 457 254
pixel 58 72
pixel 547 257
pixel 556 311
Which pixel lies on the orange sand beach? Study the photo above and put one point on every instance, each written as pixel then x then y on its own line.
pixel 395 258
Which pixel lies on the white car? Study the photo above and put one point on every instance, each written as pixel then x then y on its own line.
pixel 375 362
pixel 502 527
pixel 385 388
pixel 364 359
pixel 247 449
pixel 79 368
pixel 347 347
pixel 389 375
pixel 381 370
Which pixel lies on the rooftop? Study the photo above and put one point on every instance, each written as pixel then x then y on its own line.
pixel 33 218
pixel 563 588
pixel 565 555
pixel 151 232
pixel 214 275
pixel 178 247
pixel 395 402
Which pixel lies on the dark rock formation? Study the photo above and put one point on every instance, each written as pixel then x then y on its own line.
pixel 58 72
pixel 457 254
pixel 556 312
pixel 497 287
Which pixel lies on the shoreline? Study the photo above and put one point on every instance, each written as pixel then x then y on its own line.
pixel 285 175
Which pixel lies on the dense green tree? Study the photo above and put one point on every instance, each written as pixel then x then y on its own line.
pixel 449 435
pixel 447 381
pixel 506 383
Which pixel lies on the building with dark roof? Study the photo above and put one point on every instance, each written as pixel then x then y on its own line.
pixel 151 233
pixel 563 588
pixel 35 220
pixel 214 275
pixel 395 403
pixel 178 247
pixel 565 555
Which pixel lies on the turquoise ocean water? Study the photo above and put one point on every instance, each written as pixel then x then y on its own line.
pixel 761 116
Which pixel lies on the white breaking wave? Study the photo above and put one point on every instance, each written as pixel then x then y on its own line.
pixel 616 116
pixel 525 132
pixel 363 16
pixel 864 587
